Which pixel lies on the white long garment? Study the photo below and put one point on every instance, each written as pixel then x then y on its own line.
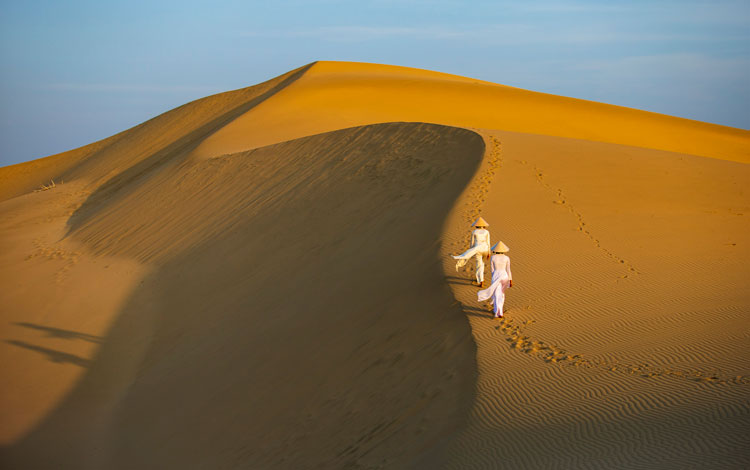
pixel 501 277
pixel 480 246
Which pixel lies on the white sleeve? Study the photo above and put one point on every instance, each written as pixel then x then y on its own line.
pixel 507 269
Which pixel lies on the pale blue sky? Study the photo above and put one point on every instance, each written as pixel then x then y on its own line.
pixel 75 72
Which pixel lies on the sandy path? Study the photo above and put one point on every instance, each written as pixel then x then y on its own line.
pixel 625 344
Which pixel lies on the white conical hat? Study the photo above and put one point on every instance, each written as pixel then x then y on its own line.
pixel 500 247
pixel 480 222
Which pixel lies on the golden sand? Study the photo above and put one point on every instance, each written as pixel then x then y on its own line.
pixel 334 95
pixel 261 279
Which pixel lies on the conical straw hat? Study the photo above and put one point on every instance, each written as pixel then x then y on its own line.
pixel 500 247
pixel 480 222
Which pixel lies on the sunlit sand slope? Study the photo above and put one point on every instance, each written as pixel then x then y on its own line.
pixel 332 95
pixel 294 315
pixel 626 341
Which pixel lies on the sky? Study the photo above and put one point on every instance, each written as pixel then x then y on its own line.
pixel 78 71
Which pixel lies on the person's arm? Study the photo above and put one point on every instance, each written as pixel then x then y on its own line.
pixel 489 244
pixel 510 276
pixel 473 238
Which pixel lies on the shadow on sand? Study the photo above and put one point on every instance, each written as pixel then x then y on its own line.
pixel 57 333
pixel 478 312
pixel 459 280
pixel 62 334
pixel 52 355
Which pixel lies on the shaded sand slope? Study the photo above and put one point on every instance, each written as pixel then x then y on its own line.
pixel 626 343
pixel 155 142
pixel 332 95
pixel 294 315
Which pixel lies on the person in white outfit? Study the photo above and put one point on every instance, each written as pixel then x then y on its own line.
pixel 480 247
pixel 501 279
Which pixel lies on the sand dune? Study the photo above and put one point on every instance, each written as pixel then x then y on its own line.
pixel 269 326
pixel 332 95
pixel 260 279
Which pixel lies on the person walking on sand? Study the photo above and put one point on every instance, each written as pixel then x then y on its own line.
pixel 501 279
pixel 480 247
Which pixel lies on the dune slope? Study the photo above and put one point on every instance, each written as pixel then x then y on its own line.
pixel 294 314
pixel 626 341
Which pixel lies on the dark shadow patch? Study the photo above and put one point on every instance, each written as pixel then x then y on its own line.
pixel 52 355
pixel 62 334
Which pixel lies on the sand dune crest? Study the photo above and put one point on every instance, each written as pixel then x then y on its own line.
pixel 334 95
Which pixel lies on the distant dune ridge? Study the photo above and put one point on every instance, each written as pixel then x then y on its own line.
pixel 261 279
